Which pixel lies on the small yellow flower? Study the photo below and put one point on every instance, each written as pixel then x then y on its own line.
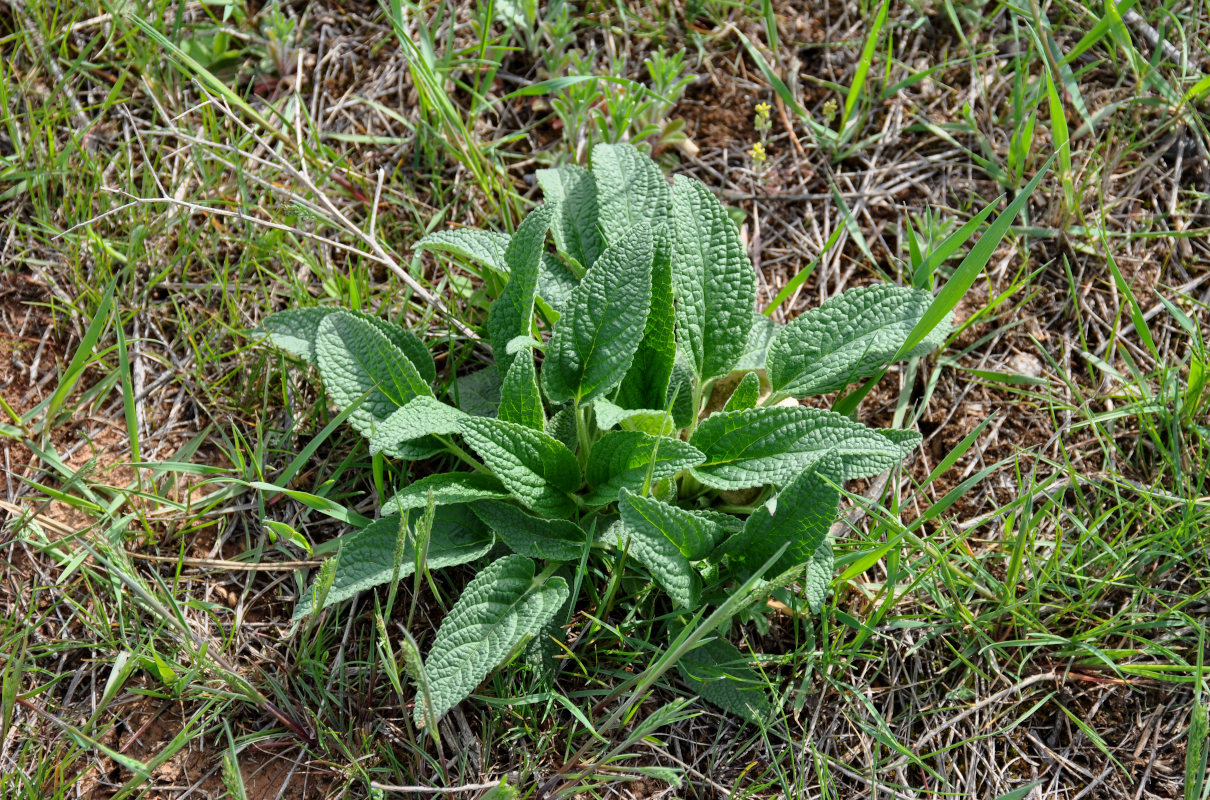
pixel 763 109
pixel 758 153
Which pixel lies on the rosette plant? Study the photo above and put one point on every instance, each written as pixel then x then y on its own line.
pixel 639 409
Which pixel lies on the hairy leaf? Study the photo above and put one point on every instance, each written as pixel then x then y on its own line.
pixel 512 314
pixel 848 338
pixel 626 459
pixel 556 284
pixel 610 415
pixel 447 488
pixel 367 556
pixel 712 280
pixel 482 247
pixel 520 401
pixel 419 417
pixel 646 383
pixel 359 364
pixel 537 469
pixel 499 609
pixel 595 341
pixel 526 535
pixel 746 393
pixel 801 515
pixel 760 446
pixel 756 351
pixel 659 537
pixel 478 393
pixel 630 189
pixel 296 330
pixel 575 225
pixel 720 674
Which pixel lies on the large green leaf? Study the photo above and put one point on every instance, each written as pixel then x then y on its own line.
pixel 512 314
pixel 628 459
pixel 630 189
pixel 594 342
pixel 801 515
pixel 848 338
pixel 496 613
pixel 759 446
pixel 536 468
pixel 367 556
pixel 482 247
pixel 520 401
pixel 296 330
pixel 646 384
pixel 446 488
pixel 575 225
pixel 419 417
pixel 526 535
pixel 661 538
pixel 712 280
pixel 359 364
pixel 720 674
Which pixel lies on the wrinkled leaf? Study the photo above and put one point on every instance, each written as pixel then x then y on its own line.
pixel 512 314
pixel 499 609
pixel 848 338
pixel 447 488
pixel 526 535
pixel 520 401
pixel 626 459
pixel 712 280
pixel 766 445
pixel 595 340
pixel 538 470
pixel 367 556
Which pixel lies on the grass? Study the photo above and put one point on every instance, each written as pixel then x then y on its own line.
pixel 1022 606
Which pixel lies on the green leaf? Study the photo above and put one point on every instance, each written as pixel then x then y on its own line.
pixel 720 674
pixel 848 338
pixel 595 341
pixel 496 613
pixel 296 330
pixel 801 514
pixel 629 459
pixel 646 384
pixel 556 285
pixel 630 189
pixel 482 247
pixel 760 446
pixel 367 556
pixel 520 401
pixel 478 392
pixel 573 190
pixel 512 314
pixel 420 417
pixel 447 488
pixel 526 535
pixel 536 468
pixel 712 280
pixel 562 426
pixel 359 364
pixel 659 537
pixel 756 351
pixel 610 415
pixel 746 393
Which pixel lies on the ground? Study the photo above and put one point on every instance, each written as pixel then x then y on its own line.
pixel 1037 622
